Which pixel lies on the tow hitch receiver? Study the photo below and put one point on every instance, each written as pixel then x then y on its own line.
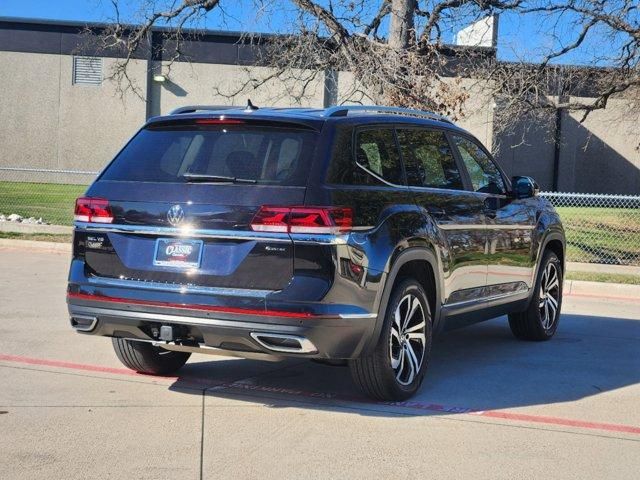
pixel 166 333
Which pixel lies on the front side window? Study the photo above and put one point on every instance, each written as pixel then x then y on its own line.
pixel 485 176
pixel 428 159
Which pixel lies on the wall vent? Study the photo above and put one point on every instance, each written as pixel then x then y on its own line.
pixel 87 71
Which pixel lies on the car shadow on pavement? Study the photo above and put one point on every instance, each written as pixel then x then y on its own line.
pixel 482 367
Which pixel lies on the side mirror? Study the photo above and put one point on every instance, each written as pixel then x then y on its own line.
pixel 524 187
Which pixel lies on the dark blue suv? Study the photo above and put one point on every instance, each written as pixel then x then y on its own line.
pixel 347 235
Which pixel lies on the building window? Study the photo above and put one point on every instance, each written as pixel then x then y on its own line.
pixel 87 71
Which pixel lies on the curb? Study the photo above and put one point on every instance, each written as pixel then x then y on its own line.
pixel 618 291
pixel 14 227
pixel 603 268
pixel 35 245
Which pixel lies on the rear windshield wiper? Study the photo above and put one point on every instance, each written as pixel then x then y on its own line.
pixel 204 178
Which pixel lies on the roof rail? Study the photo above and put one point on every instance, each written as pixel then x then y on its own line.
pixel 198 108
pixel 343 111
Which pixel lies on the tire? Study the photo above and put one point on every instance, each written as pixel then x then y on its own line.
pixel 540 320
pixel 146 358
pixel 395 369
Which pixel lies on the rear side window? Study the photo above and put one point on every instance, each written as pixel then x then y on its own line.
pixel 376 152
pixel 268 155
pixel 428 159
pixel 369 158
pixel 485 176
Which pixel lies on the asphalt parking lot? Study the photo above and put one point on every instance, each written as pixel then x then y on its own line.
pixel 491 406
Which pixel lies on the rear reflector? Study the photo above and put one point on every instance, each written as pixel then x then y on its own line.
pixel 316 220
pixel 95 210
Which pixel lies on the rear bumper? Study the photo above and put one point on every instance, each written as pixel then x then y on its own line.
pixel 327 337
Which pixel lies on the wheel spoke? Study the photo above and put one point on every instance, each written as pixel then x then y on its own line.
pixel 400 367
pixel 395 334
pixel 416 328
pixel 543 300
pixel 545 322
pixel 395 362
pixel 396 318
pixel 414 306
pixel 553 308
pixel 413 362
pixel 417 336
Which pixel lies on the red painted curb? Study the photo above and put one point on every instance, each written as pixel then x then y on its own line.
pixel 511 416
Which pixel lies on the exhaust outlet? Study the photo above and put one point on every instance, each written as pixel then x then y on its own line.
pixel 83 323
pixel 278 342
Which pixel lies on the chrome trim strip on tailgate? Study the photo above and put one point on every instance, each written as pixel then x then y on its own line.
pixel 207 233
pixel 183 232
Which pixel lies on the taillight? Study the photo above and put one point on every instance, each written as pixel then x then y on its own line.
pixel 317 220
pixel 271 219
pixel 95 210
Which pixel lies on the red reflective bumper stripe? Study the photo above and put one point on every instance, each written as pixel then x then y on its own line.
pixel 183 306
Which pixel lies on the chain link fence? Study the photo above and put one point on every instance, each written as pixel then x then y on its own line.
pixel 35 194
pixel 599 228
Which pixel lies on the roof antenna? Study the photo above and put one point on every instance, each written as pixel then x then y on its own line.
pixel 250 106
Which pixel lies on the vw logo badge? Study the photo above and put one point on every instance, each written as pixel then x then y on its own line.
pixel 175 215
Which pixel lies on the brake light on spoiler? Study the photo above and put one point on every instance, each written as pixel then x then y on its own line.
pixel 218 121
pixel 316 220
pixel 95 210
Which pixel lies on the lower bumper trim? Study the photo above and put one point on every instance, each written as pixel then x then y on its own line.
pixel 202 308
pixel 327 338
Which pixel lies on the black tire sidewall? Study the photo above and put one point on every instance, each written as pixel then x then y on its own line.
pixel 148 359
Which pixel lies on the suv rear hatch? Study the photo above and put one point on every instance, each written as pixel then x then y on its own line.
pixel 182 195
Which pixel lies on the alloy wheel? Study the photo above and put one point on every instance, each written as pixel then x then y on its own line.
pixel 549 296
pixel 407 340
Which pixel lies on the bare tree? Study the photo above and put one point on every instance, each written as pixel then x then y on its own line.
pixel 396 51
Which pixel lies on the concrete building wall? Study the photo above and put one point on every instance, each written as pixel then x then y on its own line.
pixel 599 155
pixel 96 121
pixel 528 150
pixel 602 154
pixel 49 123
pixel 29 108
pixel 211 84
pixel 477 111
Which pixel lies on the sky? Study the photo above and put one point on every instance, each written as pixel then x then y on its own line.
pixel 520 38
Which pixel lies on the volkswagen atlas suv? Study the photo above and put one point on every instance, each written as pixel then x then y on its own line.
pixel 350 235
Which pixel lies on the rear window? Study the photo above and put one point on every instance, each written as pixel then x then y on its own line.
pixel 267 155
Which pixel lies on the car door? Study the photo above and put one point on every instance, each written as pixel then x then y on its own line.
pixel 509 221
pixel 436 183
